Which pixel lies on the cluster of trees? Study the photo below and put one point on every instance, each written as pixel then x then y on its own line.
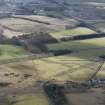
pixel 60 52
pixel 34 42
pixel 55 94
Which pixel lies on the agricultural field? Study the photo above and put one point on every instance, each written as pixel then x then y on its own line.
pixel 88 98
pixel 19 25
pixel 64 68
pixel 84 48
pixel 72 32
pixel 78 66
pixel 33 24
pixel 21 74
pixel 61 68
pixel 10 51
pixel 34 97
pixel 21 85
pixel 50 20
pixel 54 59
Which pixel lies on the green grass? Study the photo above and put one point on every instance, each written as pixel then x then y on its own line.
pixel 72 32
pixel 62 68
pixel 22 26
pixel 83 49
pixel 35 99
pixel 38 97
pixel 10 51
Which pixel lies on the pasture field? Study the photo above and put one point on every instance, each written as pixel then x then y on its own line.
pixel 38 97
pixel 61 68
pixel 86 98
pixel 86 49
pixel 24 88
pixel 77 66
pixel 10 51
pixel 24 79
pixel 34 99
pixel 18 26
pixel 64 68
pixel 49 20
pixel 72 32
pixel 19 74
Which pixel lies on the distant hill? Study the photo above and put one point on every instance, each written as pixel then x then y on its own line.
pixel 54 8
pixel 53 1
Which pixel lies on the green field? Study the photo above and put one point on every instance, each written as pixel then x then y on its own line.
pixel 19 26
pixel 27 77
pixel 72 32
pixel 9 51
pixel 83 49
pixel 64 68
pixel 36 98
pixel 77 66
